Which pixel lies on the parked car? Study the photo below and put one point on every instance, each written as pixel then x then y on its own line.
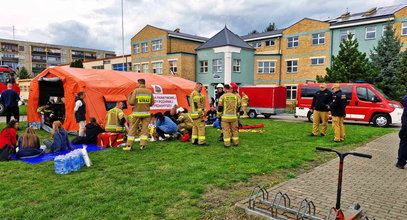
pixel 365 103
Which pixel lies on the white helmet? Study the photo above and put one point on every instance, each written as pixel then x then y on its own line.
pixel 219 86
pixel 180 109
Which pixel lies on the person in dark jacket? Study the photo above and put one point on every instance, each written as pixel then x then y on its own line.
pixel 92 130
pixel 338 113
pixel 164 125
pixel 80 113
pixel 319 108
pixel 60 139
pixel 402 153
pixel 10 99
pixel 29 145
pixel 211 116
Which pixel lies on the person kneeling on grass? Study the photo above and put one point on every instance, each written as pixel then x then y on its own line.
pixel 92 130
pixel 164 125
pixel 29 145
pixel 60 139
pixel 8 136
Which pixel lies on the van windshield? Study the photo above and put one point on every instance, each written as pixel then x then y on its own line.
pixel 381 92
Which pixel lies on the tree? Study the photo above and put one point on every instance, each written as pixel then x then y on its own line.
pixel 23 73
pixel 270 27
pixel 349 65
pixel 387 57
pixel 76 64
pixel 253 32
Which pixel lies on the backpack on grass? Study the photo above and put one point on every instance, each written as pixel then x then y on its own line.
pixel 6 152
pixel 110 139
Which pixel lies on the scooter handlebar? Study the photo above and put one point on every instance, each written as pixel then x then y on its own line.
pixel 324 149
pixel 362 155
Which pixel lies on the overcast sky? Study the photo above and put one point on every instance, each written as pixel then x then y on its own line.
pixel 97 23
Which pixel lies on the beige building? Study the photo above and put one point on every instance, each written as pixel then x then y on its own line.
pixel 111 63
pixel 35 57
pixel 24 87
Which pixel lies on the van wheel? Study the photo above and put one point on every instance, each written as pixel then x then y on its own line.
pixel 2 109
pixel 381 120
pixel 252 114
pixel 267 115
pixel 310 116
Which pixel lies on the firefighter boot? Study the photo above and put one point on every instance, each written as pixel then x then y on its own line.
pixel 128 148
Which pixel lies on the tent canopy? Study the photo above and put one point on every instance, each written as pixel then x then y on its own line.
pixel 103 87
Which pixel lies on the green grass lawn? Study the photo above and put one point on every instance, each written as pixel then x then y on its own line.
pixel 167 180
pixel 23 109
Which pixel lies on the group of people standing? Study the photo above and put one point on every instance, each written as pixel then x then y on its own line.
pixel 325 101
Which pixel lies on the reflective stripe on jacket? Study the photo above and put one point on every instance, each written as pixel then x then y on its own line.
pixel 141 99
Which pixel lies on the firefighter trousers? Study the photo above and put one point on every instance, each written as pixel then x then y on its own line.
pixel 320 117
pixel 198 130
pixel 134 128
pixel 230 130
pixel 244 112
pixel 338 127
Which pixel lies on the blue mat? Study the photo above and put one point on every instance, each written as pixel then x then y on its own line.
pixel 51 156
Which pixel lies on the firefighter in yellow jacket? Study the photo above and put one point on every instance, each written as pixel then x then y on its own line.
pixel 141 99
pixel 228 107
pixel 185 122
pixel 245 103
pixel 115 119
pixel 197 101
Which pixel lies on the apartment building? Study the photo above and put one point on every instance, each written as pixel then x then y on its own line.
pixel 118 63
pixel 161 51
pixel 35 57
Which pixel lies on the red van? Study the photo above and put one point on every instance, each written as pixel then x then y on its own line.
pixel 365 103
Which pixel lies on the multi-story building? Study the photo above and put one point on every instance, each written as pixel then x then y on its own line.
pixel 111 63
pixel 161 51
pixel 35 57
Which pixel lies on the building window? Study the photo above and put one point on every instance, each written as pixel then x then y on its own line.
pixel 344 34
pixel 291 92
pixel 404 28
pixel 217 65
pixel 292 42
pixel 98 67
pixel 136 48
pixel 137 68
pixel 173 67
pixel 292 66
pixel 203 66
pixel 270 43
pixel 370 33
pixel 158 67
pixel 106 61
pixel 119 67
pixel 21 48
pixel 264 67
pixel 236 65
pixel 317 61
pixel 257 44
pixel 385 28
pixel 145 67
pixel 318 39
pixel 156 45
pixel 145 47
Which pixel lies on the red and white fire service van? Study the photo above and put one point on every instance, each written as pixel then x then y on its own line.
pixel 265 100
pixel 365 103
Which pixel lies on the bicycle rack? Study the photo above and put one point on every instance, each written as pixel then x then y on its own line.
pixel 259 202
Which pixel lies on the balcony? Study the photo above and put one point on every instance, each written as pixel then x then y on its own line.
pixel 77 56
pixel 54 54
pixel 3 58
pixel 10 50
pixel 90 57
pixel 38 60
pixel 38 52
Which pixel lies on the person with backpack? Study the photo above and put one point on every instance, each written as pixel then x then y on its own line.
pixel 60 139
pixel 29 145
pixel 8 140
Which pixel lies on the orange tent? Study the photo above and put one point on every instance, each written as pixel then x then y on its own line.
pixel 102 88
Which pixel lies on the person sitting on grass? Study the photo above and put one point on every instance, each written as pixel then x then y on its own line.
pixel 164 125
pixel 211 116
pixel 8 136
pixel 60 139
pixel 29 145
pixel 92 130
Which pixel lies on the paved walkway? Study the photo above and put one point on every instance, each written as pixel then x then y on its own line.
pixel 376 184
pixel 22 118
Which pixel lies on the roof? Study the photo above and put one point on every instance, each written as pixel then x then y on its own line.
pixel 262 35
pixel 183 35
pixel 380 13
pixel 225 38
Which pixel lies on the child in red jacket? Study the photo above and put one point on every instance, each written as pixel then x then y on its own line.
pixel 9 135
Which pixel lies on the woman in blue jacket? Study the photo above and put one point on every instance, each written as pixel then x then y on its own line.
pixel 164 125
pixel 60 139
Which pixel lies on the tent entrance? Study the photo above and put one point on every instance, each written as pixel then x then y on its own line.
pixel 52 93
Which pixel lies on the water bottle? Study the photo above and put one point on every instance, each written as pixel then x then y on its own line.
pixel 59 165
pixel 77 161
pixel 68 163
pixel 82 161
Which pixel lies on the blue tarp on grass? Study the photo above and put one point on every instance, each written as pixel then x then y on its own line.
pixel 51 156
